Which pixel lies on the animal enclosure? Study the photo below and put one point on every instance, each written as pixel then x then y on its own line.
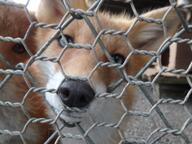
pixel 159 113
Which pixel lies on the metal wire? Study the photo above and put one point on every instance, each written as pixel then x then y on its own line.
pixel 156 105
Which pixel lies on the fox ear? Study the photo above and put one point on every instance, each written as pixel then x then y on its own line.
pixel 51 11
pixel 149 36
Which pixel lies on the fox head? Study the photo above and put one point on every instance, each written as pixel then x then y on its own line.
pixel 95 52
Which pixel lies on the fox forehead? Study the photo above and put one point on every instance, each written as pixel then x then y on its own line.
pixel 82 33
pixel 103 21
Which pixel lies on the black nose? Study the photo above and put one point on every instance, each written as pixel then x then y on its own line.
pixel 76 93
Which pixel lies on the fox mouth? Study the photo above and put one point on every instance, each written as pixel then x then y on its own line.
pixel 71 116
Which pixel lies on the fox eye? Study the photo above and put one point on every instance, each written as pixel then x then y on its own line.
pixel 63 39
pixel 18 48
pixel 118 58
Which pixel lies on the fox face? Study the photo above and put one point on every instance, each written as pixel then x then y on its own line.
pixel 79 75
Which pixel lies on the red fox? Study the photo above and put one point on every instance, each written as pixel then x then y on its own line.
pixel 14 23
pixel 78 76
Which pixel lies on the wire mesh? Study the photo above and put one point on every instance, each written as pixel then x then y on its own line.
pixel 27 115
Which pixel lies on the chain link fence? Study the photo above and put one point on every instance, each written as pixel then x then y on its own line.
pixel 153 116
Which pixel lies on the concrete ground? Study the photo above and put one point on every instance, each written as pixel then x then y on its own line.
pixel 141 127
